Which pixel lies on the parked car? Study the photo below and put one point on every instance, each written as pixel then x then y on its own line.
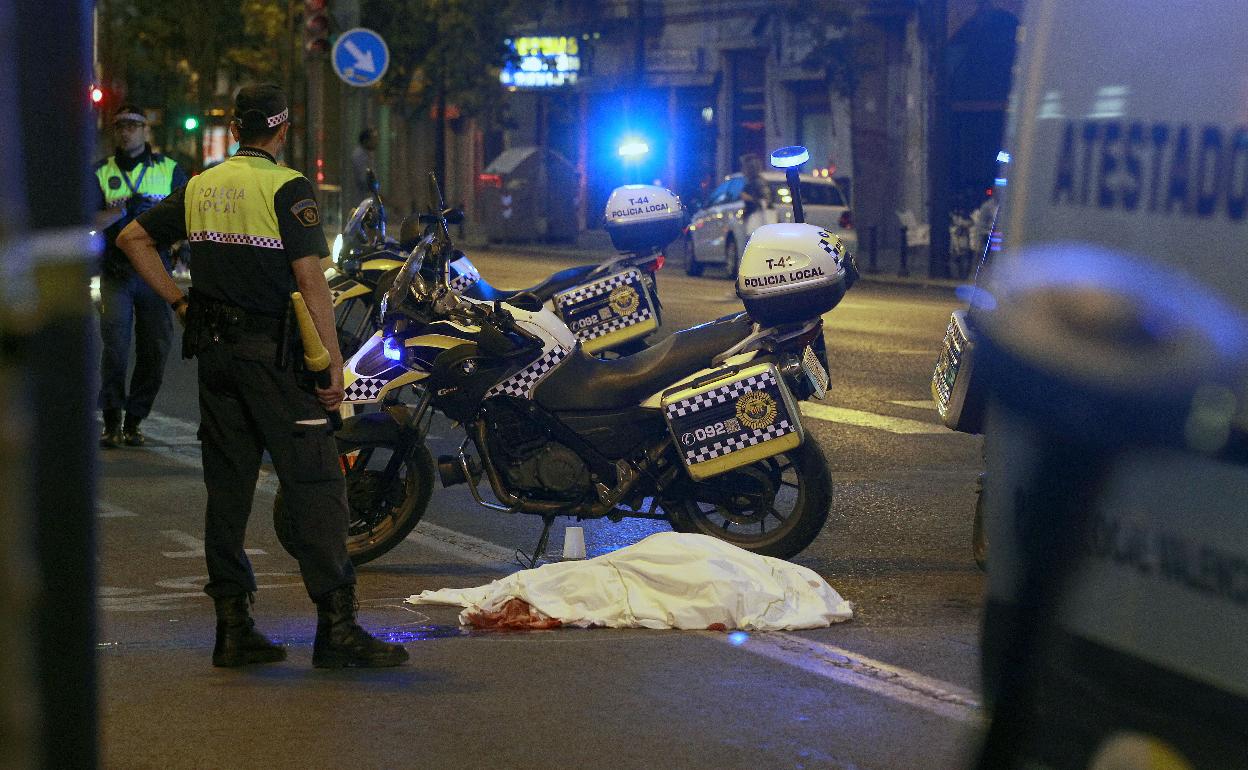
pixel 716 232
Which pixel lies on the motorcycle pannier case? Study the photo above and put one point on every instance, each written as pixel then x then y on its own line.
pixel 958 394
pixel 731 417
pixel 609 311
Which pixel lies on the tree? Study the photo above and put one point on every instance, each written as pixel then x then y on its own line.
pixel 446 55
pixel 156 53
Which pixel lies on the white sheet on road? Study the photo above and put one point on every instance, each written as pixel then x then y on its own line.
pixel 668 580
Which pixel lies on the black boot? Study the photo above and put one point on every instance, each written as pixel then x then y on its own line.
pixel 130 432
pixel 341 642
pixel 238 642
pixel 111 437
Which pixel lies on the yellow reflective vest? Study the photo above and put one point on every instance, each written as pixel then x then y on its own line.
pixel 154 180
pixel 233 202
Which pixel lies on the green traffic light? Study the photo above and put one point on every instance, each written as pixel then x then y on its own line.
pixel 191 123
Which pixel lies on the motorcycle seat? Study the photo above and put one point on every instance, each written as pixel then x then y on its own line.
pixel 584 382
pixel 564 279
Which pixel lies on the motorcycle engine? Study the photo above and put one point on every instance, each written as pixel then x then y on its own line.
pixel 530 461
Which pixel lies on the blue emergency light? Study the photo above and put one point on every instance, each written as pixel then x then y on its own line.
pixel 790 157
pixel 390 350
pixel 633 148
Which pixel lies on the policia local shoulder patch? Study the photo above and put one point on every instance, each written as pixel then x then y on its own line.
pixel 306 212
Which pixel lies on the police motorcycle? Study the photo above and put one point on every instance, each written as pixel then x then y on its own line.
pixel 362 257
pixel 701 430
pixel 611 306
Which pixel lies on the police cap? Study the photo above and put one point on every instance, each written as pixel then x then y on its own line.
pixel 259 108
pixel 129 114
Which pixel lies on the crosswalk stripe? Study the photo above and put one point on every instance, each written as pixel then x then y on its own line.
pixel 869 419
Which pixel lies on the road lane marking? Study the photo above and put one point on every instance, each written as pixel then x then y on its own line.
pixel 105 510
pixel 464 547
pixel 926 404
pixel 855 670
pixel 195 546
pixel 869 419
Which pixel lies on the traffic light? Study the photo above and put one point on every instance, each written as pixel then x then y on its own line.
pixel 316 26
pixel 191 123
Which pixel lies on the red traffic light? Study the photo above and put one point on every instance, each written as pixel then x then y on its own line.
pixel 316 26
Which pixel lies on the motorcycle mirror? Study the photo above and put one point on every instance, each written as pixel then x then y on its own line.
pixel 410 231
pixel 790 159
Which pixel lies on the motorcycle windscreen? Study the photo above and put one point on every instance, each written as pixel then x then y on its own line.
pixel 376 369
pixel 733 416
pixel 609 311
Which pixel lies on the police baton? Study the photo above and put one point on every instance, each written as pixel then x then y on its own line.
pixel 315 356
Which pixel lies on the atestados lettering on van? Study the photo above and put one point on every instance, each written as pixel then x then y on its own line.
pixel 1181 169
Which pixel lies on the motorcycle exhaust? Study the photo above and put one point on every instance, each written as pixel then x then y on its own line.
pixel 451 470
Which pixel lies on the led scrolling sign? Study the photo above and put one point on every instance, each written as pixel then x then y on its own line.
pixel 543 62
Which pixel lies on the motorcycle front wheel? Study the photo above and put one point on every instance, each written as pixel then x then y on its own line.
pixel 774 507
pixel 382 512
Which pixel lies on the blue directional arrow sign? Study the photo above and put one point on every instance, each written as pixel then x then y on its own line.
pixel 360 57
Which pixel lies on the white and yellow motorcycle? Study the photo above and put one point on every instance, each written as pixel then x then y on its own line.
pixel 611 307
pixel 701 430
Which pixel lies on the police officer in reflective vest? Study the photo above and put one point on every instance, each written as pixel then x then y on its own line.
pixel 130 181
pixel 255 235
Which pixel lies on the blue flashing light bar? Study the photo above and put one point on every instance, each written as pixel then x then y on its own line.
pixel 1003 157
pixel 633 148
pixel 788 157
pixel 390 351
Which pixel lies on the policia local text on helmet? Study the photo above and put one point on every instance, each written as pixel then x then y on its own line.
pixel 255 235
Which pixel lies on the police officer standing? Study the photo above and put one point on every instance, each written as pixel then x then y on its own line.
pixel 131 181
pixel 255 235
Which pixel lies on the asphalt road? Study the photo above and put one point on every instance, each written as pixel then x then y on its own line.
pixel 896 687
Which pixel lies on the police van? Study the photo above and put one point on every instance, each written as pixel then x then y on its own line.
pixel 1103 358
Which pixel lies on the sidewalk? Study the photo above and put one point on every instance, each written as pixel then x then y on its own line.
pixel 595 246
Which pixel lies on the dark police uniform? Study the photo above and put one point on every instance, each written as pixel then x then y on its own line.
pixel 126 301
pixel 247 219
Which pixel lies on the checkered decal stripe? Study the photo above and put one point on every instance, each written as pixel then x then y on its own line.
pixel 597 288
pixel 721 395
pixel 465 275
pixel 241 239
pixel 738 442
pixel 522 383
pixel 825 243
pixel 364 389
pixel 615 324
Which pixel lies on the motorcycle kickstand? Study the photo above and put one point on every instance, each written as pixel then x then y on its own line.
pixel 542 541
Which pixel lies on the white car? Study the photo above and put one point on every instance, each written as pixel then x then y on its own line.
pixel 716 234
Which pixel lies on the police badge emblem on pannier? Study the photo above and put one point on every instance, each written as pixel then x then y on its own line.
pixel 609 311
pixel 732 417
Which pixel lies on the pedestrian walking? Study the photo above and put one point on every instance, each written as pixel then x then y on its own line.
pixel 255 234
pixel 754 193
pixel 130 181
pixel 361 162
